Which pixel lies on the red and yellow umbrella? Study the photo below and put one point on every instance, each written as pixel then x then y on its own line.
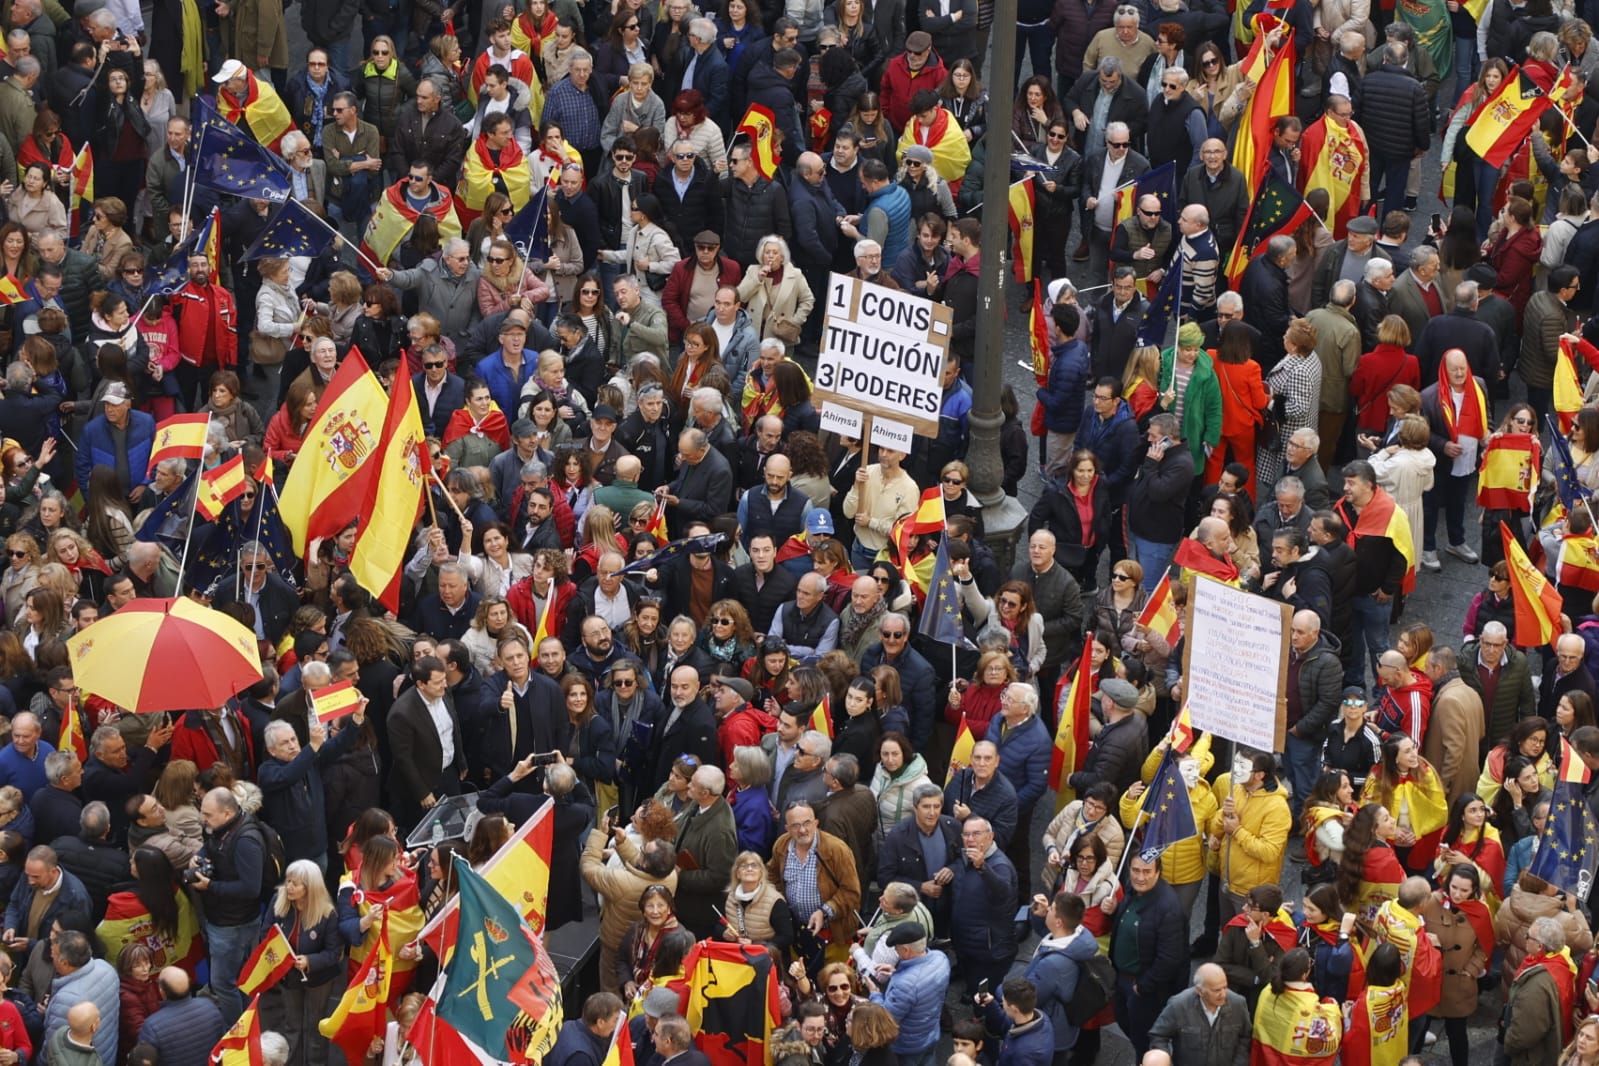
pixel 165 655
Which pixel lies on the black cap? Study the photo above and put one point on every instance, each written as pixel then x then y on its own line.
pixel 905 933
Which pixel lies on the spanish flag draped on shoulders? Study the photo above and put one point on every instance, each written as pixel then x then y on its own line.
pixel 1295 1027
pixel 529 34
pixel 128 921
pixel 496 165
pixel 943 137
pixel 1379 1027
pixel 396 215
pixel 260 110
pixel 1484 849
pixel 1333 156
pixel 1419 803
pixel 1564 971
pixel 518 63
pixel 1380 877
pixel 1380 534
pixel 397 923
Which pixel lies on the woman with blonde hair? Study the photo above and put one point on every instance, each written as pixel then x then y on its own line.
pixel 1405 468
pixel 756 911
pixel 23 572
pixel 72 550
pixel 506 283
pixel 492 624
pixel 775 293
pixel 1584 1047
pixel 107 242
pixel 343 307
pixel 304 913
pixel 1141 381
pixel 599 536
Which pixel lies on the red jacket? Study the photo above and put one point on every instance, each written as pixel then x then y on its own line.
pixel 208 325
pixel 1378 371
pixel 675 297
pixel 191 741
pixel 519 597
pixel 742 728
pixel 281 441
pixel 1514 257
pixel 1243 397
pixel 900 83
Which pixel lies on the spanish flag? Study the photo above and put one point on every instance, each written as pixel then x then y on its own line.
pixel 1379 1028
pixel 541 631
pixel 1334 157
pixel 336 701
pixel 519 871
pixel 1510 468
pixel 1038 337
pixel 1297 1028
pixel 1381 518
pixel 10 293
pixel 822 716
pixel 128 921
pixel 261 109
pixel 241 1044
pixel 71 737
pixel 1273 98
pixel 929 516
pixel 483 175
pixel 960 756
pixel 394 217
pixel 362 1013
pixel 179 437
pixel 268 964
pixel 82 186
pixel 327 485
pixel 220 486
pixel 1160 613
pixel 1567 387
pixel 1472 418
pixel 1074 700
pixel 657 526
pixel 621 1052
pixel 394 499
pixel 1192 555
pixel 821 124
pixel 266 473
pixel 1503 121
pixel 1022 200
pixel 1182 732
pixel 1578 565
pixel 1536 601
pixel 760 126
pixel 733 1001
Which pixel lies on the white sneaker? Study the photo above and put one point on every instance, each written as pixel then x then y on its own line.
pixel 1430 1039
pixel 1429 561
pixel 1464 553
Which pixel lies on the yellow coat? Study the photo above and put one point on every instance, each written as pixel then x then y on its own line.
pixel 1184 862
pixel 1253 855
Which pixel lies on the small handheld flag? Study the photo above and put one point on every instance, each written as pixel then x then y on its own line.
pixel 220 486
pixel 336 701
pixel 179 437
pixel 268 964
pixel 760 126
pixel 822 716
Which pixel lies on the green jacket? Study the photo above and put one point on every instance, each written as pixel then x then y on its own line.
pixel 1201 404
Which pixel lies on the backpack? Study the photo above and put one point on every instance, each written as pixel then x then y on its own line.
pixel 274 860
pixel 1096 979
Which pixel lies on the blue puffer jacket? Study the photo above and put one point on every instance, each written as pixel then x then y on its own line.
pixel 1024 754
pixel 915 997
pixel 99 984
pixel 1062 394
pixel 984 925
pixel 97 447
pixel 1029 1044
pixel 1055 971
pixel 1115 440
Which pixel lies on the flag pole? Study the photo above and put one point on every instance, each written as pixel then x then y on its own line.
pixel 374 267
pixel 1138 815
pixel 199 475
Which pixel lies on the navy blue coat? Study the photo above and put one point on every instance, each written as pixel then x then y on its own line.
pixel 1062 394
pixel 917 682
pixel 292 799
pixel 984 926
pixel 1024 754
pixel 452 397
pixel 1162 932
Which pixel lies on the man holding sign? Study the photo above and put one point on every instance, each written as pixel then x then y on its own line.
pixel 292 799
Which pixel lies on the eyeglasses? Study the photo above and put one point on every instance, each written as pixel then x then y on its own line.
pixel 1117 144
pixel 721 621
pixel 953 481
pixel 881 580
pixel 19 555
pixel 1120 577
pixel 132 271
pixel 624 157
pixel 499 260
pixel 894 634
pixel 682 155
pixel 631 26
pixel 1052 135
pixel 624 682
pixel 914 163
pixel 418 177
pixel 248 496
pixel 839 988
pixel 589 292
pixel 381 52
pixel 254 566
pixel 1210 61
pixel 1149 214
pixel 506 211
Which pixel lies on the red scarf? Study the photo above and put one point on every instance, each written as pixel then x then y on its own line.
pixel 1472 418
pixel 1192 555
pixel 1280 927
pixel 928 136
pixel 493 427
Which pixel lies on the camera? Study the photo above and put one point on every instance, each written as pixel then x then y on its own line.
pixel 192 874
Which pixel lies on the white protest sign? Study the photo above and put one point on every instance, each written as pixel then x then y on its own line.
pixel 836 418
pixel 882 353
pixel 1236 663
pixel 891 434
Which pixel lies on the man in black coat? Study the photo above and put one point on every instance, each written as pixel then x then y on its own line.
pixel 522 712
pixel 424 770
pixel 1397 119
pixel 699 206
pixel 259 586
pixel 608 189
pixel 1293 577
pixel 1127 104
pixel 91 857
pixel 760 584
pixel 1116 318
pixel 688 727
pixel 704 485
pixel 1153 917
pixel 675 578
pixel 293 800
pixel 573 817
pixel 1460 328
pixel 427 132
pixel 910 852
pixel 578 211
pixel 815 215
pixel 1221 188
pixel 1264 288
pixel 1372 303
pixel 113 775
pixel 773 88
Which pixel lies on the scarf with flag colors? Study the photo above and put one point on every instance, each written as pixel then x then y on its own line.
pixel 1272 98
pixel 822 716
pixel 399 477
pixel 528 35
pixel 1381 518
pixel 1537 603
pixel 335 701
pixel 493 426
pixel 501 993
pixel 1023 202
pixel 760 126
pixel 1297 1028
pixel 1194 556
pixel 1277 209
pixel 128 921
pixel 1502 122
pixel 241 1044
pixel 1379 1027
pixel 394 218
pixel 733 1001
pixel 1334 157
pixel 520 871
pixel 1280 927
pixel 268 964
pixel 1472 416
pixel 261 108
pixel 1074 703
pixel 1564 971
pixel 1577 565
pixel 220 486
pixel 482 174
pixel 1563 855
pixel 519 63
pixel 1160 616
pixel 180 437
pixel 331 475
pixel 960 756
pixel 1510 470
pixel 361 1015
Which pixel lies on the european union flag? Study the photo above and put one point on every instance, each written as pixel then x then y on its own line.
pixel 1162 308
pixel 1563 854
pixel 292 231
pixel 1171 812
pixel 227 160
pixel 168 522
pixel 1162 183
pixel 1566 484
pixel 941 616
pixel 694 545
pixel 529 229
pixel 202 238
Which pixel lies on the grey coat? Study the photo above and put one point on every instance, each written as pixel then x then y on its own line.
pixel 1188 1036
pixel 452 300
pixel 1059 601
